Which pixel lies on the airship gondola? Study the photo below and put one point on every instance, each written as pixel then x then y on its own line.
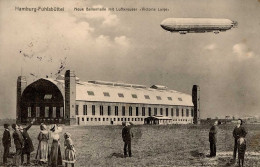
pixel 197 25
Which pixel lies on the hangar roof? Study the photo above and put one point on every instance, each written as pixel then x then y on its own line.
pixel 127 93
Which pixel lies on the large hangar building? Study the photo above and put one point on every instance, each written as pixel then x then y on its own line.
pixel 67 100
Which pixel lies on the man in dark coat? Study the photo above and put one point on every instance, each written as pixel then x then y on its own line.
pixel 6 140
pixel 18 142
pixel 28 145
pixel 213 139
pixel 238 132
pixel 127 135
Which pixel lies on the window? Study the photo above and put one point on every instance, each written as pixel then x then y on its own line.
pixel 180 99
pixel 128 119
pixel 93 109
pixel 47 109
pixel 61 112
pixel 130 111
pixel 166 111
pixel 116 110
pixel 77 110
pixel 149 111
pixel 177 112
pixel 82 119
pixel 169 98
pixel 182 113
pixel 123 110
pixel 143 111
pixel 120 95
pixel 85 110
pixel 108 110
pixel 172 111
pixel 155 111
pixel 134 96
pixel 47 97
pixel 106 94
pixel 101 110
pixel 161 111
pixel 187 112
pixel 87 119
pixel 98 119
pixel 90 93
pixel 122 119
pixel 118 119
pixel 54 112
pixel 103 119
pixel 137 111
pixel 29 112
pixel 146 96
pixel 192 113
pixel 158 98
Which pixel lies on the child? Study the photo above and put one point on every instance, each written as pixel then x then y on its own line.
pixel 6 140
pixel 241 150
pixel 70 156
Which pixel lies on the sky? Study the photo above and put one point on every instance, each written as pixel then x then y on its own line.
pixel 131 47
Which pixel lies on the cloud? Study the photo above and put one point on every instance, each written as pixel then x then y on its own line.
pixel 242 51
pixel 210 47
pixel 122 40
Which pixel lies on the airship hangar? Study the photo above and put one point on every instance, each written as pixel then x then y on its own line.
pixel 68 100
pixel 197 25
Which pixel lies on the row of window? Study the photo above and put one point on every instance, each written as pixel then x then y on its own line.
pixel 106 94
pixel 47 114
pixel 130 111
pixel 124 119
pixel 112 119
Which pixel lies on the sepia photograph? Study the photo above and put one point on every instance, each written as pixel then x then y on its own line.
pixel 168 83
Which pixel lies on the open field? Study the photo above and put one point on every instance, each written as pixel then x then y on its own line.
pixel 172 145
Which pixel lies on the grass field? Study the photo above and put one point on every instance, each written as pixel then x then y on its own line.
pixel 172 145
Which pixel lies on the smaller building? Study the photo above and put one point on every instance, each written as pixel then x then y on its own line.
pixel 158 120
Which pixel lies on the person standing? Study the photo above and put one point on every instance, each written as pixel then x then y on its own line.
pixel 18 142
pixel 28 145
pixel 43 147
pixel 213 139
pixel 127 135
pixel 70 156
pixel 238 132
pixel 6 140
pixel 55 155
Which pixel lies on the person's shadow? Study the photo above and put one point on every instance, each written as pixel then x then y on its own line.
pixel 117 155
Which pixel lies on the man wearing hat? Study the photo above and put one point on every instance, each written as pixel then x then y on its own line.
pixel 18 142
pixel 28 145
pixel 127 135
pixel 6 140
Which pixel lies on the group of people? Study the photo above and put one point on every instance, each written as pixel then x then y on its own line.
pixel 239 134
pixel 24 146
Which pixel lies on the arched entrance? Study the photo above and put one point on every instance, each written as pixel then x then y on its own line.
pixel 43 101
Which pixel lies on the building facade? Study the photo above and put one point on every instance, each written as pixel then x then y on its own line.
pixel 67 100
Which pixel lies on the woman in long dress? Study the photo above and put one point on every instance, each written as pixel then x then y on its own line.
pixel 43 148
pixel 55 155
pixel 70 156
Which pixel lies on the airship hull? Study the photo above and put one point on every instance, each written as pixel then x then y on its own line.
pixel 197 25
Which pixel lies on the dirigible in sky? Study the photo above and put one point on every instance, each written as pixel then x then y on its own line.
pixel 197 25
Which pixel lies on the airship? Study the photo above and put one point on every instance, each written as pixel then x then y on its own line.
pixel 197 25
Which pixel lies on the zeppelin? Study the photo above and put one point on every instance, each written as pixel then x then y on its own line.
pixel 197 25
